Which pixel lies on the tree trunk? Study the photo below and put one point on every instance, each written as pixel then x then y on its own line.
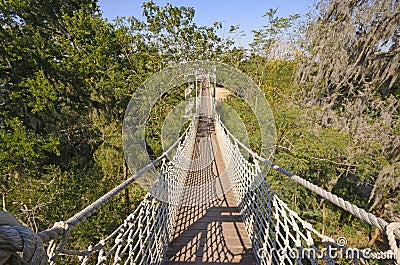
pixel 4 202
pixel 127 200
pixel 323 216
pixel 376 235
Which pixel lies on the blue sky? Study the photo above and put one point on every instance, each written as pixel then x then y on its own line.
pixel 247 13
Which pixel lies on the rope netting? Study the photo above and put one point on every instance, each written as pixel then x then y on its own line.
pixel 141 239
pixel 144 236
pixel 278 234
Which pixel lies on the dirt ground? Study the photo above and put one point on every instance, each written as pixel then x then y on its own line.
pixel 222 93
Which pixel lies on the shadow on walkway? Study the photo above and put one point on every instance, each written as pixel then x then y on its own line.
pixel 209 228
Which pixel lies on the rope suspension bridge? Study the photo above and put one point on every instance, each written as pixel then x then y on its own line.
pixel 210 204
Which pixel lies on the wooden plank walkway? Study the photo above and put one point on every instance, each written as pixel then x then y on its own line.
pixel 209 226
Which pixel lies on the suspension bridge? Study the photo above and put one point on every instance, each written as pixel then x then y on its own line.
pixel 210 204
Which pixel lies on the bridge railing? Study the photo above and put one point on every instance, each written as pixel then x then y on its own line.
pixel 278 234
pixel 142 238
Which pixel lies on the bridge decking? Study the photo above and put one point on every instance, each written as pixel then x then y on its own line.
pixel 209 231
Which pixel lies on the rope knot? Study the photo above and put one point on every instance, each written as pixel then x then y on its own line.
pixel 18 244
pixel 390 228
pixel 63 225
pixel 58 229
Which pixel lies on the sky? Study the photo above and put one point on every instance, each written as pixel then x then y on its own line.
pixel 246 13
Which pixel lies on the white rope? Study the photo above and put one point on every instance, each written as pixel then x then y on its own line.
pixel 278 234
pixel 347 206
pixel 390 229
pixel 16 238
pixel 145 234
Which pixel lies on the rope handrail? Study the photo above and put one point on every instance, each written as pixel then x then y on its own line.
pixel 63 228
pixel 345 205
pixel 278 234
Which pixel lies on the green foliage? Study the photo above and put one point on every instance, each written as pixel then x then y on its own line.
pixel 22 150
pixel 271 33
pixel 159 112
pixel 109 155
pixel 249 120
pixel 41 90
pixel 273 77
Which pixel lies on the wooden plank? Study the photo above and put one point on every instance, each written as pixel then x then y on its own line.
pixel 211 232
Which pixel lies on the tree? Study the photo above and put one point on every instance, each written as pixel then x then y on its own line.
pixel 350 71
pixel 67 76
pixel 364 37
pixel 272 34
pixel 272 50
